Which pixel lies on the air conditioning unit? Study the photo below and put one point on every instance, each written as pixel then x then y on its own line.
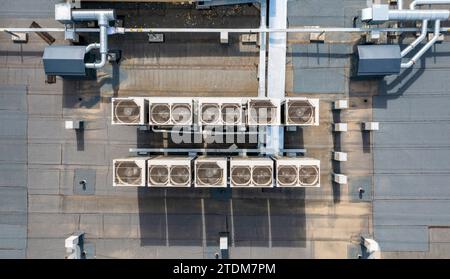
pixel 129 171
pixel 170 111
pixel 221 111
pixel 211 172
pixel 251 172
pixel 297 172
pixel 301 111
pixel 169 171
pixel 129 111
pixel 263 111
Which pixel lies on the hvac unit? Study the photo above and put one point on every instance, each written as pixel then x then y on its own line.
pixel 301 111
pixel 129 171
pixel 297 172
pixel 340 127
pixel 170 111
pixel 263 111
pixel 169 171
pixel 341 104
pixel 211 172
pixel 220 111
pixel 340 156
pixel 129 111
pixel 251 172
pixel 371 126
pixel 340 178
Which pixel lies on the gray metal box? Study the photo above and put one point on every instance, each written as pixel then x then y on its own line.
pixel 378 60
pixel 64 60
pixel 63 12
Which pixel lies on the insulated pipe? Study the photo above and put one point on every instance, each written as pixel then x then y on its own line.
pixel 412 15
pixel 415 3
pixel 103 17
pixel 419 54
pixel 419 39
pixel 103 46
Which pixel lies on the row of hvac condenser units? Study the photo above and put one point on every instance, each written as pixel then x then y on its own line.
pixel 208 171
pixel 167 111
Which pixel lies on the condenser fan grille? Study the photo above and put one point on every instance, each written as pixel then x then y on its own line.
pixel 181 113
pixel 158 175
pixel 300 112
pixel 209 174
pixel 241 175
pixel 231 113
pixel 210 113
pixel 160 113
pixel 262 112
pixel 262 176
pixel 127 111
pixel 180 175
pixel 128 173
pixel 287 175
pixel 308 175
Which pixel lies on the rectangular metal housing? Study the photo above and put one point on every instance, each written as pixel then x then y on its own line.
pixel 64 60
pixel 378 60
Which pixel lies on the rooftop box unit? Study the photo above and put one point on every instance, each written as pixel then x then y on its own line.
pixel 340 127
pixel 211 172
pixel 251 172
pixel 378 60
pixel 301 111
pixel 129 111
pixel 65 61
pixel 341 104
pixel 129 171
pixel 297 172
pixel 170 171
pixel 340 178
pixel 263 111
pixel 220 111
pixel 371 126
pixel 170 111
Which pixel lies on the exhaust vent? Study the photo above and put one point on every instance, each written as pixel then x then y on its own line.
pixel 211 172
pixel 302 111
pixel 287 175
pixel 308 175
pixel 158 175
pixel 129 172
pixel 241 176
pixel 128 111
pixel 262 176
pixel 263 111
pixel 210 114
pixel 160 113
pixel 180 175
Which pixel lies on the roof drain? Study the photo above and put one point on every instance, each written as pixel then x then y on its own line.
pixel 103 17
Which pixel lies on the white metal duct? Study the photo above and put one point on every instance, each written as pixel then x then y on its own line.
pixel 129 172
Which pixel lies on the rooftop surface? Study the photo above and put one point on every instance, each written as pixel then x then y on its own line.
pixel 403 167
